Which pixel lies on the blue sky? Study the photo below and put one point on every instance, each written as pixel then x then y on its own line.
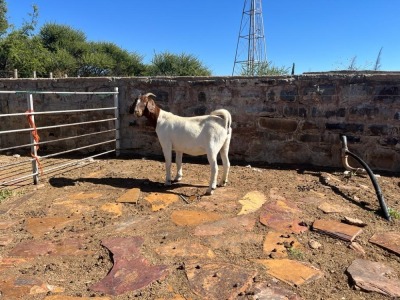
pixel 316 35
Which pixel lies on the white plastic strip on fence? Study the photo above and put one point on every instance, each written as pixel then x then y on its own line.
pixel 34 143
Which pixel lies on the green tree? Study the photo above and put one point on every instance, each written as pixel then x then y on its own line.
pixel 61 63
pixel 263 69
pixel 18 51
pixel 169 64
pixel 91 58
pixel 3 18
pixel 29 27
pixel 55 37
pixel 119 62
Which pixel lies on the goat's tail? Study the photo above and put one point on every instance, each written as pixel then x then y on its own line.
pixel 224 114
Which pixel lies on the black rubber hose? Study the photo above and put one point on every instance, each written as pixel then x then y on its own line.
pixel 371 176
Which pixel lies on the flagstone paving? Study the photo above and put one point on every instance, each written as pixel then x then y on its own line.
pixel 131 271
pixel 336 229
pixel 120 238
pixel 387 240
pixel 291 271
pixel 374 277
pixel 218 280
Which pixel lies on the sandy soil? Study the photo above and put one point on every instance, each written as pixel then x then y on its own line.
pixel 108 179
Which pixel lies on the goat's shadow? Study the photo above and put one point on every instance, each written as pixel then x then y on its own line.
pixel 144 184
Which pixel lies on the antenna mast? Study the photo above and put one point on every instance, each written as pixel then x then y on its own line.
pixel 251 53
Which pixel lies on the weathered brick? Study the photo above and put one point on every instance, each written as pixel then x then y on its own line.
pixel 345 127
pixel 364 111
pixel 341 112
pixel 309 126
pixel 295 111
pixel 378 129
pixel 278 125
pixel 289 95
pixel 310 138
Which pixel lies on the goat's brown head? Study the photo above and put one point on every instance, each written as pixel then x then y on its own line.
pixel 143 105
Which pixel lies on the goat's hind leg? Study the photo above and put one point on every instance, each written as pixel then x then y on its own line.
pixel 212 159
pixel 178 161
pixel 225 161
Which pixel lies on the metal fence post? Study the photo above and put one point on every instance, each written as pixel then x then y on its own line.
pixel 35 169
pixel 117 129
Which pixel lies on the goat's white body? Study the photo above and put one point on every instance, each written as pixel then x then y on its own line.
pixel 209 134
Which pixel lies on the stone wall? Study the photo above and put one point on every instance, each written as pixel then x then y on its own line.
pixel 291 120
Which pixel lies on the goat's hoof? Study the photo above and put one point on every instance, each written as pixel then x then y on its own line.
pixel 167 183
pixel 222 183
pixel 177 179
pixel 209 192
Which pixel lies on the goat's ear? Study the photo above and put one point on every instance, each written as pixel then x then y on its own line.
pixel 151 105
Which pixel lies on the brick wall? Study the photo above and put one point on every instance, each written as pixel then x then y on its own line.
pixel 291 120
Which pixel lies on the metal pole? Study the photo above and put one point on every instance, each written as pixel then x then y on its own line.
pixel 117 129
pixel 34 143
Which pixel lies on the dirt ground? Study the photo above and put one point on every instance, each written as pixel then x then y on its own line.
pixel 95 219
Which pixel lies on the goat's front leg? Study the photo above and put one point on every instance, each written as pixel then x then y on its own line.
pixel 212 159
pixel 167 150
pixel 178 161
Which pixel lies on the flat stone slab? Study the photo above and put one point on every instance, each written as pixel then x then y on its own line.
pixel 131 271
pixel 218 280
pixel 11 262
pixel 336 229
pixel 282 215
pixel 84 196
pixel 276 244
pixel 112 208
pixel 193 218
pixel 67 247
pixel 222 201
pixel 38 227
pixel 185 248
pixel 268 291
pixel 22 286
pixel 329 208
pixel 131 196
pixel 374 277
pixel 63 297
pixel 5 239
pixel 235 224
pixel 68 207
pixel 387 240
pixel 234 243
pixel 353 221
pixel 251 202
pixel 7 224
pixel 292 272
pixel 160 201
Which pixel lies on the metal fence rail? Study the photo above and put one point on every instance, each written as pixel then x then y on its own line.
pixel 15 172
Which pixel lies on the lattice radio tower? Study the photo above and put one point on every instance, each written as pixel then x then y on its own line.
pixel 251 52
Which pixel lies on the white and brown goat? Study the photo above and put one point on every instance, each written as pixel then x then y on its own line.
pixel 208 134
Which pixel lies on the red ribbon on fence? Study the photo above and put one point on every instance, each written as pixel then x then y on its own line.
pixel 35 136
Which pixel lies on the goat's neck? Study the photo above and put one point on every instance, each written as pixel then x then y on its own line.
pixel 152 117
